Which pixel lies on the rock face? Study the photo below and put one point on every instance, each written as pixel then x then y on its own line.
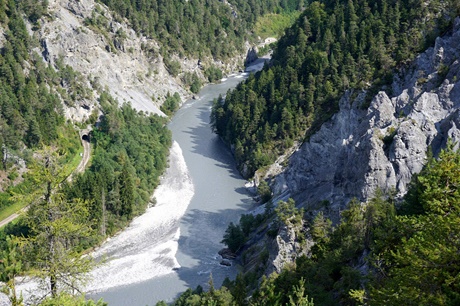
pixel 381 146
pixel 106 51
pixel 251 55
pixel 286 248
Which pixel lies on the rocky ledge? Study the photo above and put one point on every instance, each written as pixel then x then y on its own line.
pixel 382 145
pixel 370 144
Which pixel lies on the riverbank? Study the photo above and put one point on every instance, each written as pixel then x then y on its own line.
pixel 174 245
pixel 219 198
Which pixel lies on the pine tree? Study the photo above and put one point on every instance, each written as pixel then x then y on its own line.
pixel 10 268
pixel 126 192
pixel 56 226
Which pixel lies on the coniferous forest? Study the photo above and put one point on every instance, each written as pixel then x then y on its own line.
pixel 334 46
pixel 39 149
pixel 199 28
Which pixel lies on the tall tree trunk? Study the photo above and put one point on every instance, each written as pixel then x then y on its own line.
pixel 53 284
pixel 4 156
pixel 103 222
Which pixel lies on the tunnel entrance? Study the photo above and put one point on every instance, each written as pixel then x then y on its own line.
pixel 85 137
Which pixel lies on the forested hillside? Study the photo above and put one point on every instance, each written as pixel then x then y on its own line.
pixel 40 149
pixel 333 47
pixel 130 154
pixel 68 215
pixel 31 110
pixel 198 28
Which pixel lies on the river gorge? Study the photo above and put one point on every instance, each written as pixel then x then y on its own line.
pixel 175 244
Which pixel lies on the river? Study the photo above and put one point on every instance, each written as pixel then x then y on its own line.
pixel 174 245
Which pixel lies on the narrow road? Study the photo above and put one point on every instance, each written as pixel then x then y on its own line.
pixel 80 168
pixel 86 153
pixel 13 216
pixel 85 159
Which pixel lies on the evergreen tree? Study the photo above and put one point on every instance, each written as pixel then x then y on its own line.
pixel 10 269
pixel 56 227
pixel 126 192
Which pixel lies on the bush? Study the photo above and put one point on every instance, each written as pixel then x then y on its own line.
pixel 172 66
pixel 234 237
pixel 213 74
pixel 264 192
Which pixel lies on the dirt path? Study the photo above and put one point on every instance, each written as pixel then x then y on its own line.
pixel 80 168
pixel 13 216
pixel 84 160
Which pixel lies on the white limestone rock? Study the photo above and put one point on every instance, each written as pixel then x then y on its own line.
pixel 359 151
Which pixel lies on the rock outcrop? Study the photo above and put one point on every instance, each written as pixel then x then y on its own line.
pixel 89 39
pixel 286 248
pixel 251 56
pixel 381 146
pixel 111 55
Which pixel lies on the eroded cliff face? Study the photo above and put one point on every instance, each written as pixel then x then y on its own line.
pixel 88 38
pixel 102 47
pixel 369 146
pixel 381 146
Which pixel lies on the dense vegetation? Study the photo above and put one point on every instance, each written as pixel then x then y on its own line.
pixel 30 114
pixel 198 27
pixel 39 150
pixel 382 253
pixel 334 46
pixel 130 154
pixel 30 99
pixel 274 25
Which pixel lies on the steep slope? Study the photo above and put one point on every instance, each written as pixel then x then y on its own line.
pixel 333 47
pixel 373 252
pixel 140 52
pixel 86 37
pixel 360 150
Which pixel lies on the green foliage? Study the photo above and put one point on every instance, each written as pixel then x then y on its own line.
pixel 173 66
pixel 279 290
pixel 213 74
pixel 193 81
pixel 10 268
pixel 376 255
pixel 171 104
pixel 288 214
pixel 417 258
pixel 196 84
pixel 333 46
pixel 298 297
pixel 65 299
pixel 56 226
pixel 264 191
pixel 198 297
pixel 130 154
pixel 199 27
pixel 273 25
pixel 413 252
pixel 30 98
pixel 330 274
pixel 234 237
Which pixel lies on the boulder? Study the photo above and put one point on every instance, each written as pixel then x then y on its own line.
pixel 227 254
pixel 251 55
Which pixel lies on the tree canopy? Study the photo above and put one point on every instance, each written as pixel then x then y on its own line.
pixel 334 46
pixel 198 27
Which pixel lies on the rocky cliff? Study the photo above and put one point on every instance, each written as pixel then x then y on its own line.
pixel 381 146
pixel 370 144
pixel 108 52
pixel 89 39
